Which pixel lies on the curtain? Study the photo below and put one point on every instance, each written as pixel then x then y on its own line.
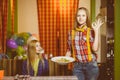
pixel 3 24
pixel 55 19
pixel 8 21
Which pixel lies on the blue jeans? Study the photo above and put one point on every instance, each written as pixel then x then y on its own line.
pixel 86 71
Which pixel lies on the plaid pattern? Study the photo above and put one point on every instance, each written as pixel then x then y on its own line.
pixel 56 18
pixel 3 24
pixel 80 44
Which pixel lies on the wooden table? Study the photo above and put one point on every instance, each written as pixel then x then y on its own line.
pixel 12 67
pixel 44 78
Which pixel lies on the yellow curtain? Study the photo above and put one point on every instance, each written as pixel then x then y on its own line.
pixel 56 18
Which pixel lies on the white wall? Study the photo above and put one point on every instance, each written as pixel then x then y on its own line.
pixel 27 16
pixel 85 3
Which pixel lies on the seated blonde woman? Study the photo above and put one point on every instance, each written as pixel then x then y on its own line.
pixel 35 64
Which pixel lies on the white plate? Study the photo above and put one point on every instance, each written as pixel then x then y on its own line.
pixel 63 60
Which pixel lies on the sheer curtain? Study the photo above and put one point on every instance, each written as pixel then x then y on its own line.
pixel 56 18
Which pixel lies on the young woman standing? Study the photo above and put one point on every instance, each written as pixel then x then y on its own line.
pixel 83 44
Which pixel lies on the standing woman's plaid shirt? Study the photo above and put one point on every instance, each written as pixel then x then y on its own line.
pixel 80 45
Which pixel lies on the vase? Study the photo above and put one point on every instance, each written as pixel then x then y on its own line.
pixel 1 74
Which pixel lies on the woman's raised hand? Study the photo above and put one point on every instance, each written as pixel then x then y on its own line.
pixel 96 25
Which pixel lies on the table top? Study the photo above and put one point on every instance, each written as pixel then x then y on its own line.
pixel 44 78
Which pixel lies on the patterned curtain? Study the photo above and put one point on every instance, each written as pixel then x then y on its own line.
pixel 56 18
pixel 8 21
pixel 3 24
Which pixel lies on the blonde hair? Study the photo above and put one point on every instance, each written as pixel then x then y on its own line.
pixel 88 22
pixel 32 55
